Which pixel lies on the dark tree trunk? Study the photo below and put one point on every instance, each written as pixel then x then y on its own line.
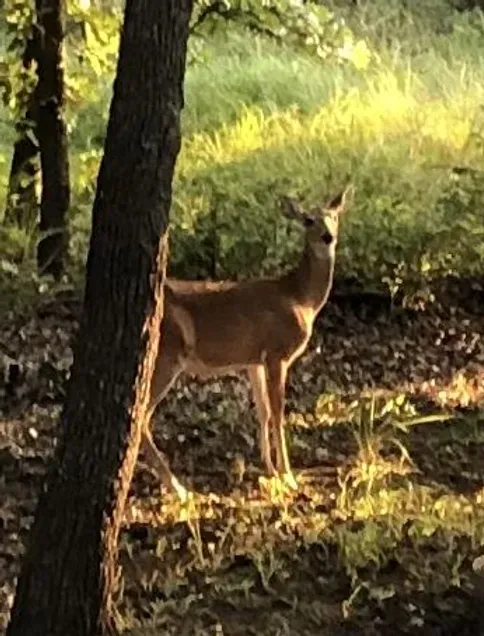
pixel 70 567
pixel 52 137
pixel 44 121
pixel 22 201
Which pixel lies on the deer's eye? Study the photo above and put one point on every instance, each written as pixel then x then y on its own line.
pixel 308 220
pixel 327 237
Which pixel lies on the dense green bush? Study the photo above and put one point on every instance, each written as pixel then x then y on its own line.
pixel 396 108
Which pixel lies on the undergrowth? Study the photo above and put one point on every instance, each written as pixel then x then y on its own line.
pixel 396 113
pixel 380 536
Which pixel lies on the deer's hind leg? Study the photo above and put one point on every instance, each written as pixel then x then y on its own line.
pixel 168 367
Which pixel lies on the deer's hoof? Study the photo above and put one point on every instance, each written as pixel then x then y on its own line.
pixel 184 495
pixel 181 492
pixel 289 480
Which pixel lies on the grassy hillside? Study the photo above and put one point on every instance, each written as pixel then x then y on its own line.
pixel 396 111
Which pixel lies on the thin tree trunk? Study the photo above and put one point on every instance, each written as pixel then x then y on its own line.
pixel 70 567
pixel 22 202
pixel 52 137
pixel 44 121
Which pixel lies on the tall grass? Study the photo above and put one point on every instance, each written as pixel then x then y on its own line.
pixel 262 121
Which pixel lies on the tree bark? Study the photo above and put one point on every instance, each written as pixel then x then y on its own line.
pixel 44 120
pixel 22 201
pixel 52 137
pixel 22 206
pixel 70 568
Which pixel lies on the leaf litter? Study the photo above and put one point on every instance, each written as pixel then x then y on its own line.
pixel 386 428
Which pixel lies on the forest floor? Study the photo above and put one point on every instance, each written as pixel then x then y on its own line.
pixel 385 419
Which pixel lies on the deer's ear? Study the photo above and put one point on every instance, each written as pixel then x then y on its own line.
pixel 291 209
pixel 339 203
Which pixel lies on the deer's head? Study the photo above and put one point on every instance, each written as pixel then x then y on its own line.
pixel 321 222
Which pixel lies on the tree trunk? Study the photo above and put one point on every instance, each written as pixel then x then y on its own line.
pixel 52 137
pixel 22 201
pixel 44 121
pixel 22 206
pixel 70 567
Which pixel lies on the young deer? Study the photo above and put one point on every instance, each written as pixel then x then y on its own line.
pixel 260 326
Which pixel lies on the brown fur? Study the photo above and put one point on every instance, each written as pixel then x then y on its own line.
pixel 259 326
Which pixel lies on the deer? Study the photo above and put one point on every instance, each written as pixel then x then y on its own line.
pixel 259 326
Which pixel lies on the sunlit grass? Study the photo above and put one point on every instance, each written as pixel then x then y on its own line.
pixel 262 120
pixel 380 512
pixel 377 120
pixel 393 129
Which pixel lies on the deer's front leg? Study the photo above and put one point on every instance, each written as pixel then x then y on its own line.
pixel 258 381
pixel 276 385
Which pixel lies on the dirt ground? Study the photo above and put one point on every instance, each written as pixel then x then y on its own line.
pixel 385 418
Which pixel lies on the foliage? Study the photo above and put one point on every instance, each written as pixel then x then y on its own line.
pixel 397 114
pixel 17 77
pixel 92 39
pixel 292 22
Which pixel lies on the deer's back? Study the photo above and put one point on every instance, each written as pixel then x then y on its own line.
pixel 235 325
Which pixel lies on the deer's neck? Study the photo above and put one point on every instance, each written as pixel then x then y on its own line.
pixel 312 279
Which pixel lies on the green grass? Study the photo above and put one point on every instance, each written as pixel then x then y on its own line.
pixel 262 120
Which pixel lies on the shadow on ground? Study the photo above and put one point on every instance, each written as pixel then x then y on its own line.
pixel 353 552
